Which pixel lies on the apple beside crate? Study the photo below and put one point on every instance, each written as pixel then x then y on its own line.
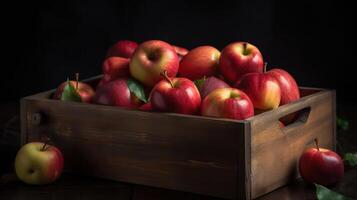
pixel 211 156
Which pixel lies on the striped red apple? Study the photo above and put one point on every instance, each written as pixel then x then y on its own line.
pixel 179 95
pixel 117 93
pixel 288 86
pixel 122 48
pixel 227 103
pixel 181 52
pixel 115 67
pixel 84 90
pixel 199 62
pixel 321 166
pixel 238 59
pixel 262 88
pixel 150 59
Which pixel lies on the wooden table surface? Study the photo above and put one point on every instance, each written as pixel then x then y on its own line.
pixel 71 186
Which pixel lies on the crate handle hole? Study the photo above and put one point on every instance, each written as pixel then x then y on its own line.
pixel 296 118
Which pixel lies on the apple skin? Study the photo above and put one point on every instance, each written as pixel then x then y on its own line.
pixel 210 84
pixel 183 98
pixel 227 103
pixel 181 52
pixel 262 89
pixel 85 91
pixel 199 62
pixel 150 59
pixel 115 67
pixel 288 86
pixel 116 93
pixel 122 48
pixel 146 107
pixel 322 166
pixel 236 62
pixel 37 167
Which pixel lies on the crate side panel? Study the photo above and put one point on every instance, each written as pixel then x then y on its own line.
pixel 176 152
pixel 275 151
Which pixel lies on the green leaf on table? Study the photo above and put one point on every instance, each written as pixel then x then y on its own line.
pixel 342 124
pixel 351 159
pixel 137 89
pixel 324 193
pixel 199 82
pixel 70 93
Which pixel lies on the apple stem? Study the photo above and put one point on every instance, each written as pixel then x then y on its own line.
pixel 77 80
pixel 167 78
pixel 317 144
pixel 43 147
pixel 265 66
pixel 244 46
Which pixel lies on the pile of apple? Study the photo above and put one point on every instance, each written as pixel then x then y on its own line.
pixel 157 76
pixel 229 84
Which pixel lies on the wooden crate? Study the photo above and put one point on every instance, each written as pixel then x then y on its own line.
pixel 211 156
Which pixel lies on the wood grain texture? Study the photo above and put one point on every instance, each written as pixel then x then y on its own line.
pixel 217 157
pixel 275 151
pixel 192 154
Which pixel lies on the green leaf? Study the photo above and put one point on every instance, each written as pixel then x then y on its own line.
pixel 70 93
pixel 199 82
pixel 137 89
pixel 351 159
pixel 324 193
pixel 342 124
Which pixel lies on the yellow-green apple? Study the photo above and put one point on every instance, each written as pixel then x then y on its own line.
pixel 199 62
pixel 238 59
pixel 263 90
pixel 150 59
pixel 122 48
pixel 227 103
pixel 207 85
pixel 179 95
pixel 289 89
pixel 115 67
pixel 181 52
pixel 84 90
pixel 117 93
pixel 321 166
pixel 38 163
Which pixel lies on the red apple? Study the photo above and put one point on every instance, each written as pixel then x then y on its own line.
pixel 209 84
pixel 199 62
pixel 262 88
pixel 227 103
pixel 115 67
pixel 322 166
pixel 123 48
pixel 150 59
pixel 84 90
pixel 238 59
pixel 178 95
pixel 37 163
pixel 289 89
pixel 116 93
pixel 181 52
pixel 146 107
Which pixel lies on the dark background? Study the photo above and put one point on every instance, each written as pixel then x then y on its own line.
pixel 51 40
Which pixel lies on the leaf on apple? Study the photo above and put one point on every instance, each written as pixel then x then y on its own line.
pixel 342 124
pixel 324 193
pixel 137 89
pixel 199 82
pixel 350 159
pixel 70 93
